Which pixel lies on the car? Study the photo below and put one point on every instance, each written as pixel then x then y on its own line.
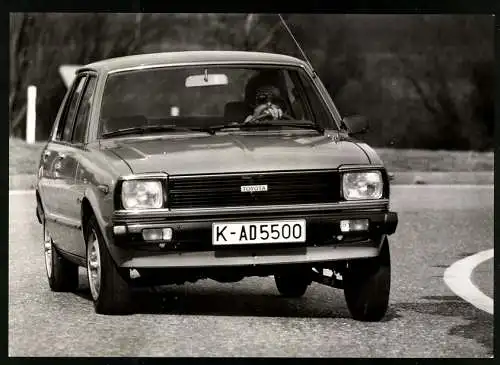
pixel 174 167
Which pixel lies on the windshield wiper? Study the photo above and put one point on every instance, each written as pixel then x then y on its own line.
pixel 307 125
pixel 153 128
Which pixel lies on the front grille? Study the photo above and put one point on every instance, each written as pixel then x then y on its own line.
pixel 209 191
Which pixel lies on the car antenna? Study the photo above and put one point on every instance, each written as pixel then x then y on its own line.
pixel 297 44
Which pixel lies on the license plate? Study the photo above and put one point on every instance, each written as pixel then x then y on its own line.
pixel 241 233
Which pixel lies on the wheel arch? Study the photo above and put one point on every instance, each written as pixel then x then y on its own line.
pixel 39 207
pixel 100 206
pixel 86 213
pixel 91 205
pixel 38 197
pixel 384 241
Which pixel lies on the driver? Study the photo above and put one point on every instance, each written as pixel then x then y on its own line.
pixel 264 96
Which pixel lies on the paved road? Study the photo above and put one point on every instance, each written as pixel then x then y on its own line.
pixel 437 227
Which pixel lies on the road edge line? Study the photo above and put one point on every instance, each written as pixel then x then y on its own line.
pixel 458 278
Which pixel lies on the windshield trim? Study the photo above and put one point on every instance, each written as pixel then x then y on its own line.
pixel 319 89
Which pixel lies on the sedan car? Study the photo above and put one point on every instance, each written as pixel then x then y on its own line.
pixel 174 167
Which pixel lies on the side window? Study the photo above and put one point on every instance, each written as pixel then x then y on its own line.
pixel 82 117
pixel 313 100
pixel 297 104
pixel 66 125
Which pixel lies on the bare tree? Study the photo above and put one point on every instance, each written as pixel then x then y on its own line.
pixel 447 64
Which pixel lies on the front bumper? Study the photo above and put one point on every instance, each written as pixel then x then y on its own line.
pixel 191 244
pixel 253 257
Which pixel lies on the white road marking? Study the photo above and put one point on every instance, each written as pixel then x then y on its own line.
pixel 458 279
pixel 21 192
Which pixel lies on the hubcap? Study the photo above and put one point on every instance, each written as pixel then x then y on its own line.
pixel 47 248
pixel 94 265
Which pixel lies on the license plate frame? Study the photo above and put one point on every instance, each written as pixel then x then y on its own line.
pixel 254 232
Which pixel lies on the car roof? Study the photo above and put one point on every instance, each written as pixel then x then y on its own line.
pixel 187 57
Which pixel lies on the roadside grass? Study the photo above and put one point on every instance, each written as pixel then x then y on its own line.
pixel 23 159
pixel 442 161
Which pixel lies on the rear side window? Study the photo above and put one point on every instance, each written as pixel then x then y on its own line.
pixel 66 127
pixel 82 117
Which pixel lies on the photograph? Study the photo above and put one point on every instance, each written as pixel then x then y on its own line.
pixel 251 185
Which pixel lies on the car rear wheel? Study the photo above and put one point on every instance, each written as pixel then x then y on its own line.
pixel 292 285
pixel 61 273
pixel 367 285
pixel 110 291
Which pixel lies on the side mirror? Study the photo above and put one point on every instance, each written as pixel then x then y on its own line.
pixel 356 124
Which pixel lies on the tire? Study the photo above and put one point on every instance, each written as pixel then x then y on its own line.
pixel 292 285
pixel 61 273
pixel 367 284
pixel 109 290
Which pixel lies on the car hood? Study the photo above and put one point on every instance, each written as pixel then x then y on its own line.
pixel 241 152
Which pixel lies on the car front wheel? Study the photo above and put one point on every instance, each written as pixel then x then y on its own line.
pixel 367 285
pixel 110 291
pixel 61 273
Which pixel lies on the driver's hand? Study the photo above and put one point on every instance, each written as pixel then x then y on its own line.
pixel 271 110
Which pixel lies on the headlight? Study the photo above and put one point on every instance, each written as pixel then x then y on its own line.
pixel 142 194
pixel 362 185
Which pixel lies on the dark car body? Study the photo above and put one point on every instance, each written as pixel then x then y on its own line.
pixel 82 175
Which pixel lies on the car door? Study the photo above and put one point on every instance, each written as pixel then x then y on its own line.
pixel 61 170
pixel 83 174
pixel 47 159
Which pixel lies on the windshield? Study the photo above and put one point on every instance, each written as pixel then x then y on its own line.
pixel 201 97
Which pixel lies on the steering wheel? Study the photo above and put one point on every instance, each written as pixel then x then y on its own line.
pixel 262 116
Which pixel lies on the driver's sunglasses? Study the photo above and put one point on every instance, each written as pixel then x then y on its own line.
pixel 264 99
